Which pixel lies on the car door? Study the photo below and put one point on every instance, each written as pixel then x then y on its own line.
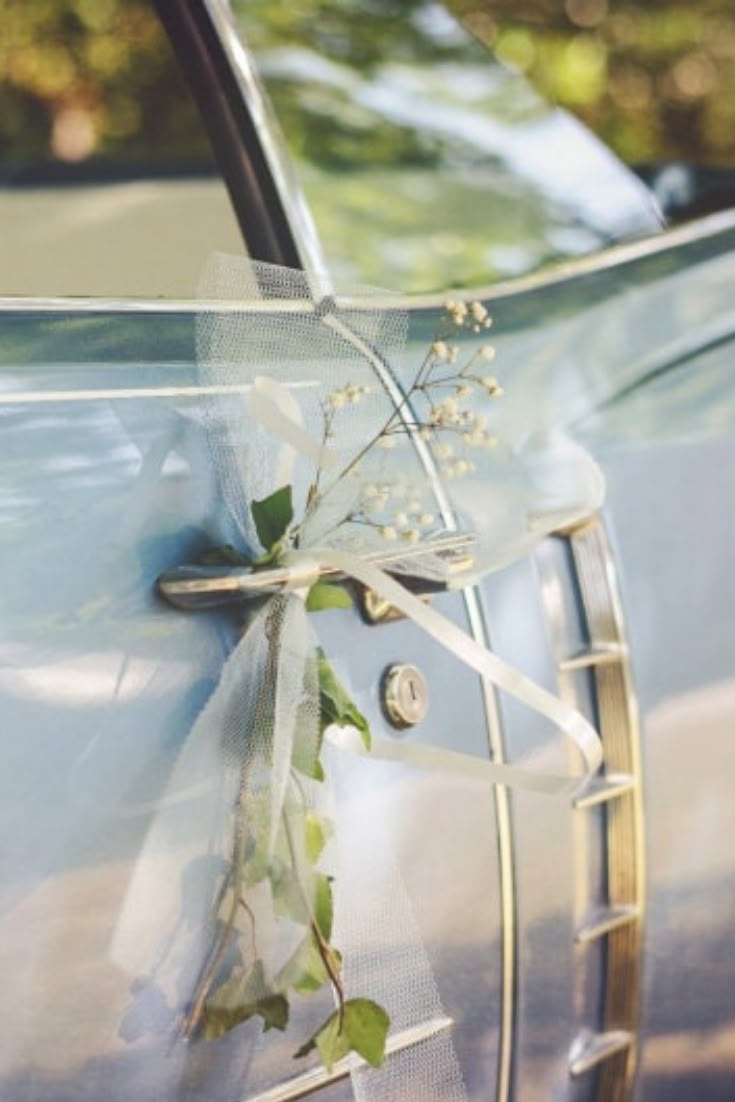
pixel 531 912
pixel 613 350
pixel 107 483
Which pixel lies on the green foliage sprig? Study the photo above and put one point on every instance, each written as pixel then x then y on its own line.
pixel 230 989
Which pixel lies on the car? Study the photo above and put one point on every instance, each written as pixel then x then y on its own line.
pixel 526 946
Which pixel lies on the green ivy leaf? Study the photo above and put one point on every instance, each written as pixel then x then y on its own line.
pixel 244 995
pixel 316 834
pixel 305 970
pixel 335 704
pixel 288 896
pixel 323 905
pixel 272 516
pixel 327 595
pixel 273 1009
pixel 364 1030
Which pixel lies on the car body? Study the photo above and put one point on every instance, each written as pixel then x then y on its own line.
pixel 582 951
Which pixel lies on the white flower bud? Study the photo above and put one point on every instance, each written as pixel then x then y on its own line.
pixel 401 519
pixel 426 520
pixel 487 352
pixel 388 532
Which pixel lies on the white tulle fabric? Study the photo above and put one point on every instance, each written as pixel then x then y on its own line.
pixel 291 346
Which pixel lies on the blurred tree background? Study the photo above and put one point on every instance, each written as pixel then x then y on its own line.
pixel 91 78
pixel 654 78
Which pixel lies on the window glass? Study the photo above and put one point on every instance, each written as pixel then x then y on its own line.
pixel 427 162
pixel 107 182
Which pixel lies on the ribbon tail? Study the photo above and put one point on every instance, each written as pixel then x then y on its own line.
pixel 485 663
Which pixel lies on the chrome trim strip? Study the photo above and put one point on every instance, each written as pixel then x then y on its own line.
pixel 608 815
pixel 602 789
pixel 280 166
pixel 300 1086
pixel 617 713
pixel 602 654
pixel 604 922
pixel 703 229
pixel 492 715
pixel 598 1048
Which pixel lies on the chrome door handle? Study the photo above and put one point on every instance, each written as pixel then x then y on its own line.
pixel 197 588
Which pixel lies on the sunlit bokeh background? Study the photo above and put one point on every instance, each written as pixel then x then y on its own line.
pixel 422 133
pixel 654 78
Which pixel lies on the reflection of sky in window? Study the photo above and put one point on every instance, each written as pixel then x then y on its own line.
pixel 463 110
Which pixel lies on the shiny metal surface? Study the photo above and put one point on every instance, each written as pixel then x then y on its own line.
pixel 89 657
pixel 193 587
pixel 292 198
pixel 405 693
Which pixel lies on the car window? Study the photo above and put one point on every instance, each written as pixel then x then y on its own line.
pixel 108 186
pixel 426 161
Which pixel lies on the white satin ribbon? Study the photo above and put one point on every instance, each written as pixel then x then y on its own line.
pixel 451 637
pixel 488 665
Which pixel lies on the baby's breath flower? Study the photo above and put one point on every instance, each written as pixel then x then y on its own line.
pixel 353 394
pixel 487 352
pixel 461 467
pixel 479 313
pixel 463 391
pixel 444 451
pixel 449 405
pixel 337 399
pixel 411 535
pixel 388 532
pixel 492 386
pixel 426 520
pixel 440 350
pixel 458 313
pixel 401 519
pixel 453 353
